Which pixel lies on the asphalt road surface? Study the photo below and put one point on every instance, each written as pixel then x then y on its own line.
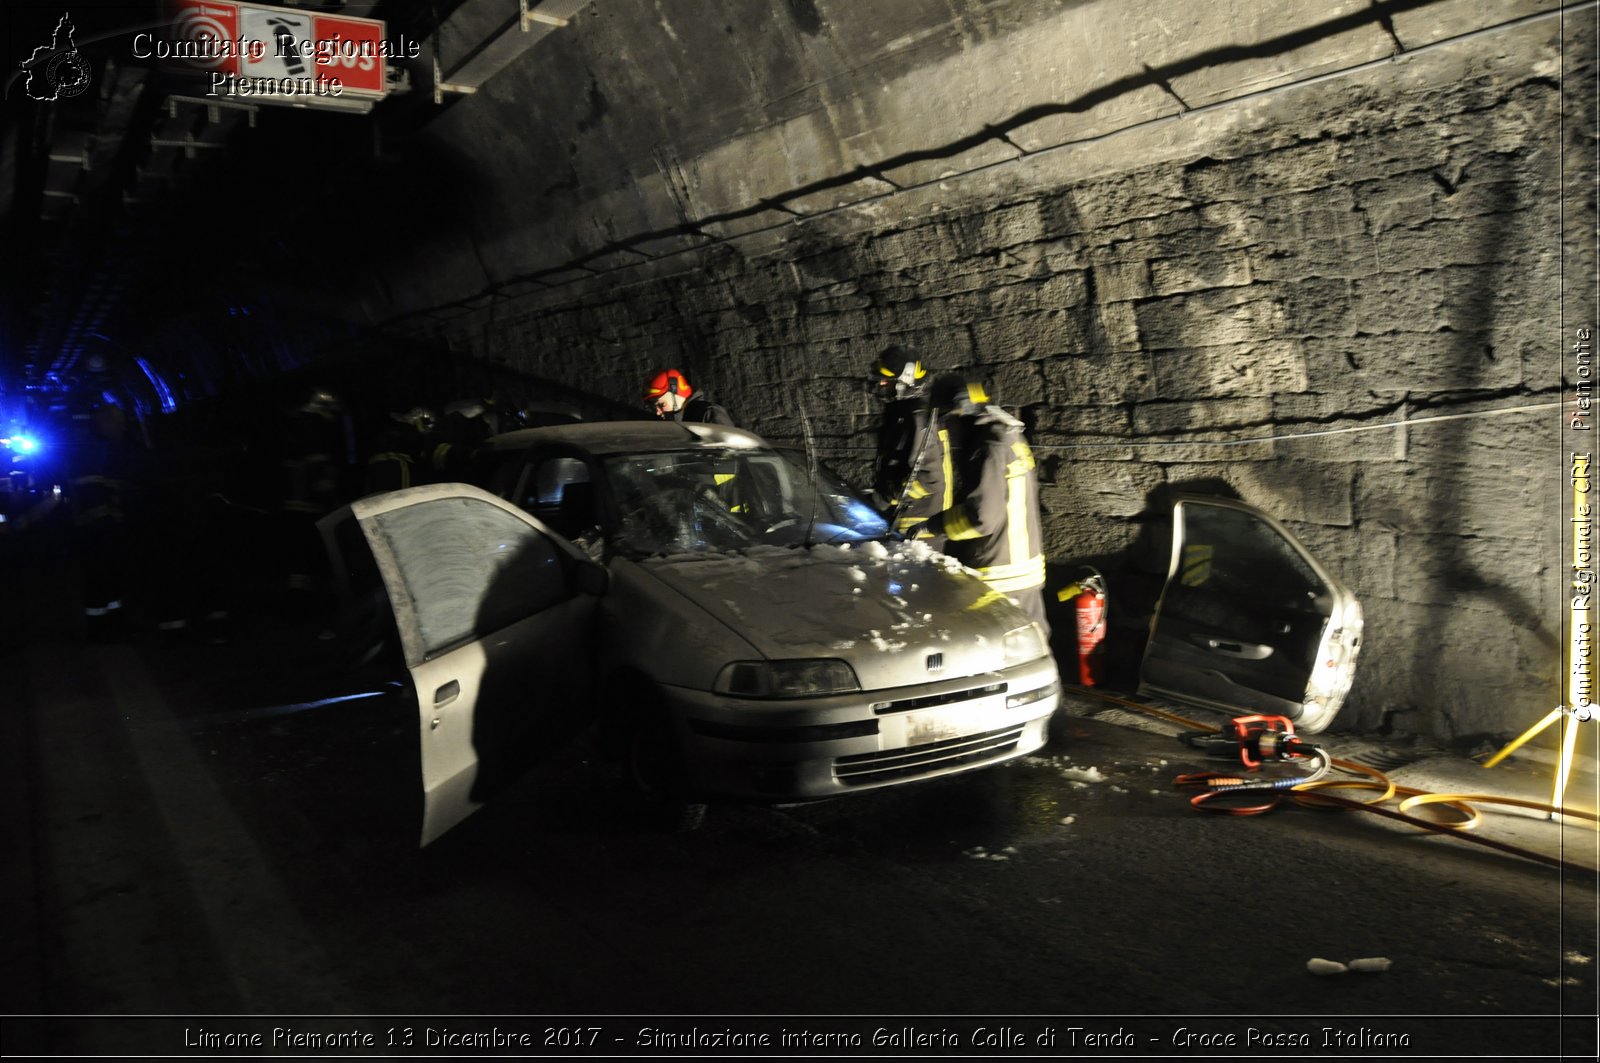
pixel 195 857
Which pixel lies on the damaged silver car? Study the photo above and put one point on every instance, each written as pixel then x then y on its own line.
pixel 739 625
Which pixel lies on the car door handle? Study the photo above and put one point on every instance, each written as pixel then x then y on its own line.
pixel 446 694
pixel 1248 651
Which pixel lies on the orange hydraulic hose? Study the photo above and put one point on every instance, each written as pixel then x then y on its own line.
pixel 1305 795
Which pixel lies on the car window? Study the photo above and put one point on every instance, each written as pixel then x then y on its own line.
pixel 1238 577
pixel 558 491
pixel 723 499
pixel 497 470
pixel 1233 553
pixel 470 568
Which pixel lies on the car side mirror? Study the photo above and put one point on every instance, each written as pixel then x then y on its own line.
pixel 591 577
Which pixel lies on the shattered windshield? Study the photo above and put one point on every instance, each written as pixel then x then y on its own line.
pixel 716 500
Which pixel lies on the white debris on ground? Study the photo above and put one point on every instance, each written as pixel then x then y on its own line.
pixel 1078 777
pixel 1573 956
pixel 1367 964
pixel 1063 767
pixel 978 852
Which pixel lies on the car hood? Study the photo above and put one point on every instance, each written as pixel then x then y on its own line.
pixel 884 609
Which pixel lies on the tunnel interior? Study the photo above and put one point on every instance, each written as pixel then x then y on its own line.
pixel 1336 262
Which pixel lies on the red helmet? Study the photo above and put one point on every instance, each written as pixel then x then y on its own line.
pixel 670 382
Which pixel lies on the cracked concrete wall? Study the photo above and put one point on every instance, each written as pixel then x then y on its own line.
pixel 1231 245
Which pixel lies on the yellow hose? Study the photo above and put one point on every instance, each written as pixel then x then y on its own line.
pixel 1461 804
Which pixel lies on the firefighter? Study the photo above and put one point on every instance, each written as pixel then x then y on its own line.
pixel 993 526
pixel 669 394
pixel 912 478
pixel 467 423
pixel 397 459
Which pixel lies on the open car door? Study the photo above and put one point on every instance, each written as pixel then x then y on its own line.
pixel 495 618
pixel 1248 621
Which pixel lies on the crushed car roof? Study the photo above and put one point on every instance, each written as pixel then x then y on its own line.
pixel 613 437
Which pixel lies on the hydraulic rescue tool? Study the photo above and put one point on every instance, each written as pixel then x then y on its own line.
pixel 1255 740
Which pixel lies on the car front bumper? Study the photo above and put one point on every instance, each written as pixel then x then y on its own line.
pixel 802 749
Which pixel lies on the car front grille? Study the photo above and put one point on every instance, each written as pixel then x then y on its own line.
pixel 866 769
pixel 952 697
pixel 825 732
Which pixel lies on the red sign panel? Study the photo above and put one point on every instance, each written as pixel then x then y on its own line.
pixel 205 35
pixel 266 44
pixel 351 49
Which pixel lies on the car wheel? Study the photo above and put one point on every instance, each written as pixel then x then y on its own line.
pixel 653 763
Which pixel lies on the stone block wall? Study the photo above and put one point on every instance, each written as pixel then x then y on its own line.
pixel 1340 299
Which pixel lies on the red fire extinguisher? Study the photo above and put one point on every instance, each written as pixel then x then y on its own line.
pixel 1090 610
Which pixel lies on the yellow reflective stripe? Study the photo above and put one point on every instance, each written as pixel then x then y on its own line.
pixel 987 598
pixel 722 477
pixel 1024 462
pixel 915 490
pixel 949 470
pixel 957 526
pixel 1017 544
pixel 1015 577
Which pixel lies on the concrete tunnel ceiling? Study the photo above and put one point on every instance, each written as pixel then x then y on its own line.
pixel 1230 245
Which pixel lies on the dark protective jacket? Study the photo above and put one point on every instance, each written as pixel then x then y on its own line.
pixel 110 477
pixel 450 456
pixel 913 464
pixel 994 525
pixel 396 460
pixel 701 410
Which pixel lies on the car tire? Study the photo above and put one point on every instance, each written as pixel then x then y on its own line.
pixel 652 763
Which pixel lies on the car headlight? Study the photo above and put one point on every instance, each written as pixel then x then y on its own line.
pixel 786 679
pixel 1024 643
